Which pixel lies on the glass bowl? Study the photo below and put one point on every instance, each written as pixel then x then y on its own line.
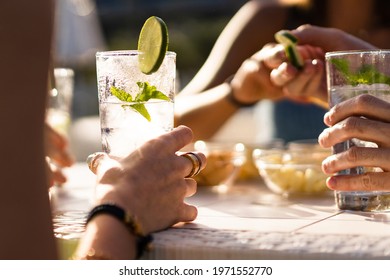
pixel 224 161
pixel 293 170
pixel 248 170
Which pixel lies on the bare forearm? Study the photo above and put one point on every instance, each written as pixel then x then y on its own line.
pixel 229 51
pixel 24 202
pixel 106 238
pixel 206 112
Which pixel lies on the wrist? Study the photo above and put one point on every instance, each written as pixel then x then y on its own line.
pixel 128 220
pixel 113 194
pixel 105 238
pixel 231 96
pixel 108 194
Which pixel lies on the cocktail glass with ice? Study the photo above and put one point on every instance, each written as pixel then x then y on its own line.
pixel 133 107
pixel 352 73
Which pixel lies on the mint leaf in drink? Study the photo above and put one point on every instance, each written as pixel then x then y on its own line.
pixel 369 75
pixel 140 108
pixel 366 74
pixel 146 92
pixel 121 94
pixel 342 65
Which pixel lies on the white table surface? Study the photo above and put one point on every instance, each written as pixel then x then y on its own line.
pixel 250 222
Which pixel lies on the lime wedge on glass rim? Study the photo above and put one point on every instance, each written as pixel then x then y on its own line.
pixel 152 44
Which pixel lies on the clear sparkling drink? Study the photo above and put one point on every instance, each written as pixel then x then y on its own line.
pixel 123 129
pixel 362 201
pixel 128 122
pixel 340 90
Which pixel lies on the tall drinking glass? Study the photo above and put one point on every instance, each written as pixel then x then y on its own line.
pixel 59 111
pixel 352 73
pixel 133 107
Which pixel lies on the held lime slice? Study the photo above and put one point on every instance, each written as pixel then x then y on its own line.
pixel 293 56
pixel 152 44
pixel 285 37
pixel 289 41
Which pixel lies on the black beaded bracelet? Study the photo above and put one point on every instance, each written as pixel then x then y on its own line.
pixel 232 99
pixel 143 241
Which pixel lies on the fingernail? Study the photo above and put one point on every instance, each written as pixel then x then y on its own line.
pixel 325 166
pixel 331 182
pixel 322 138
pixel 327 119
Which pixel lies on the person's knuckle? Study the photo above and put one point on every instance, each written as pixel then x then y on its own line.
pixel 335 110
pixel 353 154
pixel 366 182
pixel 371 182
pixel 362 100
pixel 351 125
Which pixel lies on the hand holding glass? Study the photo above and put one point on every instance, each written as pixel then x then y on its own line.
pixel 349 74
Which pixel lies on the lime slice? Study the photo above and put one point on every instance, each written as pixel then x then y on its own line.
pixel 285 37
pixel 152 44
pixel 293 56
pixel 289 41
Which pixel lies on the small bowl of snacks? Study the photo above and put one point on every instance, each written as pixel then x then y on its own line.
pixel 224 161
pixel 293 170
pixel 249 170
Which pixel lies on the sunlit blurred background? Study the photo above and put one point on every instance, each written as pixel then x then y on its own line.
pixel 86 26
